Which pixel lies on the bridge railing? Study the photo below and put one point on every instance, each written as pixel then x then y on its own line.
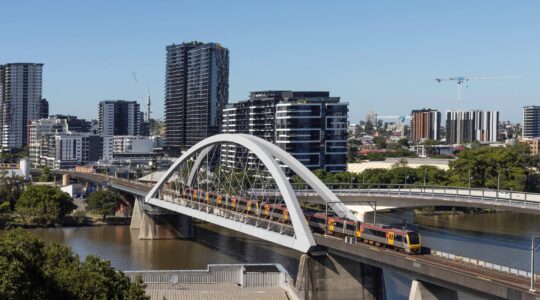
pixel 511 197
pixel 237 214
pixel 482 264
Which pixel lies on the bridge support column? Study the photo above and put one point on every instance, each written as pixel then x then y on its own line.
pixel 426 291
pixel 159 225
pixel 137 214
pixel 332 277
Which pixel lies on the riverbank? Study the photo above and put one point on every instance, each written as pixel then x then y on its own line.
pixel 12 222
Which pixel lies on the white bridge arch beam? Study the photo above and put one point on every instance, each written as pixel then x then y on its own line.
pixel 313 181
pixel 303 239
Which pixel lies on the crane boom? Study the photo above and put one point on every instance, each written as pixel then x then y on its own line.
pixel 461 79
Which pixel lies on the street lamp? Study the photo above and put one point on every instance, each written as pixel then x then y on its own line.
pixel 498 183
pixel 406 177
pixel 532 289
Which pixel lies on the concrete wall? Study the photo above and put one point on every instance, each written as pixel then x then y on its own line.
pixel 334 277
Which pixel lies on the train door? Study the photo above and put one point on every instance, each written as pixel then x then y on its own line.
pixel 390 238
pixel 267 210
pixel 219 200
pixel 331 225
pixel 359 231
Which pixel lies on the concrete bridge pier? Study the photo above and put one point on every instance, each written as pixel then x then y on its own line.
pixel 156 225
pixel 426 291
pixel 325 276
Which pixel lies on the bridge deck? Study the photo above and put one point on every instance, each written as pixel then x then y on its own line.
pixel 432 268
pixel 424 267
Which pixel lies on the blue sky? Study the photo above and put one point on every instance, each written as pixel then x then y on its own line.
pixel 376 55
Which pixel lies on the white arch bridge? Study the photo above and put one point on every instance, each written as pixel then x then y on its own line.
pixel 223 180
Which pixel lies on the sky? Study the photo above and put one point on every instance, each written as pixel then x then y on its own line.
pixel 380 56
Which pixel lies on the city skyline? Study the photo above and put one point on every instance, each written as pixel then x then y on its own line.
pixel 353 50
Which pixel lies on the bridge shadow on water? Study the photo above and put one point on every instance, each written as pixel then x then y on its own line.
pixel 244 248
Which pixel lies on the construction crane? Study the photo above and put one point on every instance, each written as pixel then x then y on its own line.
pixel 148 101
pixel 460 80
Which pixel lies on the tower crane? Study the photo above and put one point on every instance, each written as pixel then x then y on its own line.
pixel 461 79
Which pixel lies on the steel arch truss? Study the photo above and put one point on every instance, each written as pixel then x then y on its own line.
pixel 197 171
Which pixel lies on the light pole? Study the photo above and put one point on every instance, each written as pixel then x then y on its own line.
pixel 425 177
pixel 533 249
pixel 498 183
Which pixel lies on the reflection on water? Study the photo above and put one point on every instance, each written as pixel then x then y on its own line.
pixel 212 245
pixel 500 238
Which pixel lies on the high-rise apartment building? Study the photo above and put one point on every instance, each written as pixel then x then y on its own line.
pixel 44 109
pixel 119 117
pixel 425 124
pixel 311 126
pixel 371 117
pixel 20 102
pixel 531 122
pixel 196 92
pixel 474 125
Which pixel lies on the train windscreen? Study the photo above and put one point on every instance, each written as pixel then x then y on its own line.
pixel 413 238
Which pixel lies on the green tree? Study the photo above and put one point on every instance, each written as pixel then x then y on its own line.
pixel 403 142
pixel 10 191
pixel 103 203
pixel 514 166
pixel 46 175
pixel 380 141
pixel 430 147
pixel 44 204
pixel 368 128
pixel 32 269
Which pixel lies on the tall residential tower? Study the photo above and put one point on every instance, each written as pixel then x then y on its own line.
pixel 425 124
pixel 20 102
pixel 531 122
pixel 474 125
pixel 196 91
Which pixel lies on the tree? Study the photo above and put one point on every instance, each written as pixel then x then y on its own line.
pixel 380 141
pixel 103 203
pixel 403 142
pixel 10 191
pixel 44 204
pixel 46 175
pixel 516 168
pixel 430 147
pixel 32 269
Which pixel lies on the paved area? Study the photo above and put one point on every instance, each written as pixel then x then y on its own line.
pixel 177 291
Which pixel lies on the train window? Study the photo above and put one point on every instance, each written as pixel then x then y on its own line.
pixel 413 238
pixel 398 238
pixel 350 226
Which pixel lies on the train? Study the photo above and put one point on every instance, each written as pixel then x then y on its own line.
pixel 382 235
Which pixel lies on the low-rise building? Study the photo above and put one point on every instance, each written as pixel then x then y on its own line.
pixel 533 145
pixel 68 150
pixel 442 164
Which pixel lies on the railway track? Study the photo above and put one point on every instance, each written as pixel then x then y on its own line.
pixel 514 281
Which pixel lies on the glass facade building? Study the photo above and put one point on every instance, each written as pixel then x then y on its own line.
pixel 311 126
pixel 196 92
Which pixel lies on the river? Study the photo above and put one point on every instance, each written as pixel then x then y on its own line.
pixel 499 238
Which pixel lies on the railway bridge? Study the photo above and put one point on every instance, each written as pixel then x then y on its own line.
pixel 206 183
